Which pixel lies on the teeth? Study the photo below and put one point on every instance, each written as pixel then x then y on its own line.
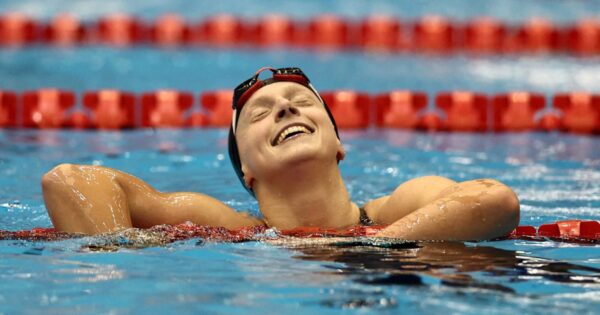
pixel 289 130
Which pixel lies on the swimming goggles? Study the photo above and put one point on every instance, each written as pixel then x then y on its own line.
pixel 243 92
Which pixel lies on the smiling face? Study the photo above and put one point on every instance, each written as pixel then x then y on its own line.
pixel 284 124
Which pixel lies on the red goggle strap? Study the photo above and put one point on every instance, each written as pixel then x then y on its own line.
pixel 298 78
pixel 246 95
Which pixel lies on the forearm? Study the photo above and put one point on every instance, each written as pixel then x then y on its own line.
pixel 475 210
pixel 93 199
pixel 179 207
pixel 149 207
pixel 407 198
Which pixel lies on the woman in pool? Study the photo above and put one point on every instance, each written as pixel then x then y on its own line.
pixel 284 146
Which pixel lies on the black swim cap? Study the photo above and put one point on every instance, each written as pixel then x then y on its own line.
pixel 243 92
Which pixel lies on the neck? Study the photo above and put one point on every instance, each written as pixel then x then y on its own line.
pixel 308 194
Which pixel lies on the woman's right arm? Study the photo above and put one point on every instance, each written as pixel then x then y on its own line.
pixel 94 199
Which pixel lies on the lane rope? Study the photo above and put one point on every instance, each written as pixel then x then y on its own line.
pixel 570 231
pixel 377 33
pixel 453 111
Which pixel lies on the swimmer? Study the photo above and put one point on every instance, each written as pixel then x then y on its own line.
pixel 285 149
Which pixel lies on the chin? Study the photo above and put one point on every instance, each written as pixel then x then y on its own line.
pixel 302 153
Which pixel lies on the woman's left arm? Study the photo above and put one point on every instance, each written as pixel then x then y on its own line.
pixel 435 208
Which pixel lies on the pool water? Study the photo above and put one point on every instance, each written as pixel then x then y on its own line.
pixel 556 176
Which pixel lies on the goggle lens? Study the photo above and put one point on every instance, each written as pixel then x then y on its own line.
pixel 245 90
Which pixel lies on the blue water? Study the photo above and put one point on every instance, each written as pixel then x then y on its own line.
pixel 556 176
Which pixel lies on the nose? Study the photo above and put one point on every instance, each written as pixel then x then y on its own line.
pixel 285 108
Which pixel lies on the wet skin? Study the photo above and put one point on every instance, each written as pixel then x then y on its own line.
pixel 296 179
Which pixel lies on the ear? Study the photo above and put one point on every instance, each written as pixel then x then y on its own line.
pixel 248 177
pixel 341 152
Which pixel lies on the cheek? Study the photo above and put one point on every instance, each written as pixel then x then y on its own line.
pixel 251 145
pixel 320 117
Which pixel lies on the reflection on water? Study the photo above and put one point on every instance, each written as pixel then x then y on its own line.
pixel 76 271
pixel 268 270
pixel 387 262
pixel 451 264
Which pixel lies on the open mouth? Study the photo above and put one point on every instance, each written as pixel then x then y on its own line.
pixel 291 132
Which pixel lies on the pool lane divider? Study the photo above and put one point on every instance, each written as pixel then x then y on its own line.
pixel 453 111
pixel 429 34
pixel 570 231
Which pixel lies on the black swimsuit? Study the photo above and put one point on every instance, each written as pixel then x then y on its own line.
pixel 364 218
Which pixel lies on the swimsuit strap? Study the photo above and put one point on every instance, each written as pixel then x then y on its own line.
pixel 364 218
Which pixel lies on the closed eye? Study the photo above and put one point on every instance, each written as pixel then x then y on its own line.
pixel 302 100
pixel 259 114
